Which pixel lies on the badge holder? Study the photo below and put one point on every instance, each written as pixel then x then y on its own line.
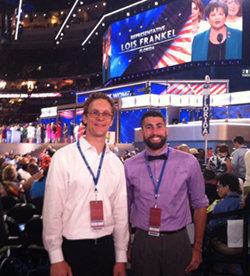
pixel 96 213
pixel 154 222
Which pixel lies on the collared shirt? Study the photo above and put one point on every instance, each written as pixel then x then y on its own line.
pixel 182 176
pixel 229 203
pixel 69 190
pixel 238 163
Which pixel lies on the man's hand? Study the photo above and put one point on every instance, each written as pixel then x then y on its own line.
pixel 195 262
pixel 119 269
pixel 60 269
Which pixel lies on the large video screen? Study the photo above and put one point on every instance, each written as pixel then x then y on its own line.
pixel 172 34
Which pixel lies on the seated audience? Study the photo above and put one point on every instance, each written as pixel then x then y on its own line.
pixel 210 185
pixel 33 168
pixel 228 189
pixel 23 171
pixel 38 186
pixel 10 185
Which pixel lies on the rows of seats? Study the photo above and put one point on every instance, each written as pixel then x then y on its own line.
pixel 23 253
pixel 219 253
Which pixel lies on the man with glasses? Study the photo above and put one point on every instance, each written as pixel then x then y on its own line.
pixel 85 206
pixel 228 188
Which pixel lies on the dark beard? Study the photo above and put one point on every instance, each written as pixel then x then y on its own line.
pixel 155 146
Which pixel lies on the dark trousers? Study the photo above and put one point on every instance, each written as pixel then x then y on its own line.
pixel 90 258
pixel 166 255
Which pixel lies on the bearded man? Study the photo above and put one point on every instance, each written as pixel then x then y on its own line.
pixel 161 182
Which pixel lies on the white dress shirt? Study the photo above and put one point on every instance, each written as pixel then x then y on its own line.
pixel 69 190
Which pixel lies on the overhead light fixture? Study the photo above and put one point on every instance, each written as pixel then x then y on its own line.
pixel 107 15
pixel 18 18
pixel 66 19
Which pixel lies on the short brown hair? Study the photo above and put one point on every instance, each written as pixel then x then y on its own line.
pixel 152 113
pixel 215 4
pixel 98 96
pixel 9 173
pixel 223 148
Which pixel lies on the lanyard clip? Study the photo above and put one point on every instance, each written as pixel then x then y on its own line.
pixel 156 197
pixel 96 194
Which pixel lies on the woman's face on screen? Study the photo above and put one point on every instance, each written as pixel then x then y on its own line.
pixel 217 18
pixel 233 7
pixel 195 12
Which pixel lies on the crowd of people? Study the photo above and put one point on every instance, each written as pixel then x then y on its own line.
pixel 89 195
pixel 24 176
pixel 53 132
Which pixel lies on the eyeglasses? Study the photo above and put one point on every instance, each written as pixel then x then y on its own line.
pixel 96 114
pixel 219 186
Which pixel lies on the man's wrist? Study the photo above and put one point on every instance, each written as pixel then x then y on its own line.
pixel 198 250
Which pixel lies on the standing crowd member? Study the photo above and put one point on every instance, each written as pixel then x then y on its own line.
pixel 43 129
pixel 238 163
pixel 85 213
pixel 48 133
pixel 31 133
pixel 71 132
pixel 65 133
pixel 160 182
pixel 76 129
pixel 38 134
pixel 80 130
pixel 53 132
pixel 58 132
pixel 220 163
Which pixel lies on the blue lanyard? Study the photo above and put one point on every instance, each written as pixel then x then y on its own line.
pixel 95 179
pixel 160 178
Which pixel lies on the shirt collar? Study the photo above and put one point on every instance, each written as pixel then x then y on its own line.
pixel 244 147
pixel 234 194
pixel 85 145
